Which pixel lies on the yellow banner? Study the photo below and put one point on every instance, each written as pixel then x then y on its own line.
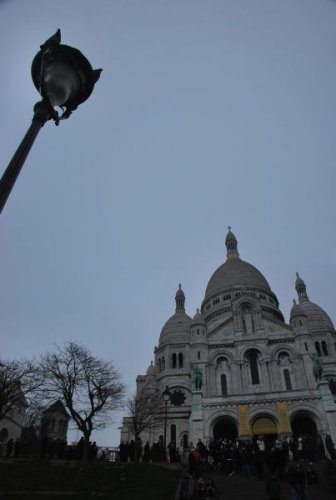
pixel 244 421
pixel 284 422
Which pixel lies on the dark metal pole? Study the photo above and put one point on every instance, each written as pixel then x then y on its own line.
pixel 42 113
pixel 165 432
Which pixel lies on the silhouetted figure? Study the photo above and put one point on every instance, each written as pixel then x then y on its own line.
pixel 17 447
pixel 10 446
pixel 296 478
pixel 146 455
pixel 312 477
pixel 80 448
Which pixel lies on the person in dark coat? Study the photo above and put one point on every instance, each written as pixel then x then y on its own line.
pixel 296 478
pixel 273 486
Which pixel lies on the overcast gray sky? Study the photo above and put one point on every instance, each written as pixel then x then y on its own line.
pixel 207 113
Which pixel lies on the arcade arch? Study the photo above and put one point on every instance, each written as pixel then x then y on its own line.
pixel 303 422
pixel 225 427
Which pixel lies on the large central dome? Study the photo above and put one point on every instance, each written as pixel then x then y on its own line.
pixel 235 273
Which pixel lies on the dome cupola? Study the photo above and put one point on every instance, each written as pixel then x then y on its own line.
pixel 177 328
pixel 151 370
pixel 198 319
pixel 180 299
pixel 300 287
pixel 231 245
pixel 317 318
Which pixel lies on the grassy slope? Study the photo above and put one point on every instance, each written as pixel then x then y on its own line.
pixel 32 479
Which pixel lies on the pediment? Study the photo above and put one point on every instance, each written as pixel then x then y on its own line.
pixel 222 330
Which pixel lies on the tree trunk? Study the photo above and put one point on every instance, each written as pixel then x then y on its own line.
pixel 86 447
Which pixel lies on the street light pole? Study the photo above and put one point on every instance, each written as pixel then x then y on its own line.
pixel 42 113
pixel 64 78
pixel 166 398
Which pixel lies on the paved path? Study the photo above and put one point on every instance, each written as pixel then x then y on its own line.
pixel 237 487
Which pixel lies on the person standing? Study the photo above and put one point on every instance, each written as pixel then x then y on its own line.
pixel 273 486
pixel 10 446
pixel 296 478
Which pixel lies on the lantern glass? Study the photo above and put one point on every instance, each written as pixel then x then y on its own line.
pixel 60 83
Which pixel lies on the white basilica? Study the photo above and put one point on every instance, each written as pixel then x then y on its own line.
pixel 237 369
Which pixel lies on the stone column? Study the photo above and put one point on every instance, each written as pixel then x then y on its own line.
pixel 196 418
pixel 329 407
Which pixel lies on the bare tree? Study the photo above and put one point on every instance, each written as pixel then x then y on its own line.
pixel 19 381
pixel 90 388
pixel 144 413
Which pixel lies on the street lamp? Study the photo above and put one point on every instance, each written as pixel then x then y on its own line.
pixel 64 78
pixel 166 398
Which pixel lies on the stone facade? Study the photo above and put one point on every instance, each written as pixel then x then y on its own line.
pixel 239 369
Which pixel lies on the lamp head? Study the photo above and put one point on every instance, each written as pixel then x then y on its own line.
pixel 166 395
pixel 62 74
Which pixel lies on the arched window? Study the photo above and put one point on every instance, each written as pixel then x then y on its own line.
pixel 287 378
pixel 198 354
pixel 174 358
pixel 163 363
pixel 224 385
pixel 173 433
pixel 252 357
pixel 324 348
pixel 306 346
pixel 318 349
pixel 159 363
pixel 180 360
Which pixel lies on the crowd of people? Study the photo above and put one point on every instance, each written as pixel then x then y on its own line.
pixel 290 460
pixel 156 452
pixel 271 461
pixel 48 448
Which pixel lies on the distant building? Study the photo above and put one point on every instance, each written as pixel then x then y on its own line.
pixel 12 424
pixel 54 422
pixel 237 369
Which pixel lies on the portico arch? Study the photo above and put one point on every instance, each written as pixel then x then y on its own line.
pixel 266 426
pixel 303 423
pixel 225 427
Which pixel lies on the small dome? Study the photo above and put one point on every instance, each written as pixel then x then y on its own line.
pixel 296 311
pixel 198 319
pixel 151 370
pixel 177 328
pixel 317 318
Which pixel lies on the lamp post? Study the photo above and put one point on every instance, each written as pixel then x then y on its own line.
pixel 64 78
pixel 166 398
